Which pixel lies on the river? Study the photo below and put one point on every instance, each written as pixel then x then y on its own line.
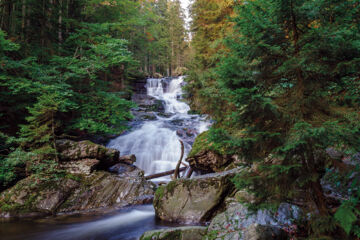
pixel 157 148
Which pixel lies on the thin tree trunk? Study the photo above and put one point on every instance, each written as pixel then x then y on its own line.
pixel 176 174
pixel 60 22
pixel 23 20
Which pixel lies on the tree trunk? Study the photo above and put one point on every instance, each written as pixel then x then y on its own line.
pixel 60 22
pixel 176 174
pixel 23 11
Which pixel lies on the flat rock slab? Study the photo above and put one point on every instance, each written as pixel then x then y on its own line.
pixel 35 195
pixel 180 233
pixel 193 200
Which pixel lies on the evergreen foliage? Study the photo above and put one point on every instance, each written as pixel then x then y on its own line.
pixel 286 90
pixel 66 69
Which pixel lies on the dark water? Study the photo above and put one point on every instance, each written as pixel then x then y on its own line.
pixel 125 224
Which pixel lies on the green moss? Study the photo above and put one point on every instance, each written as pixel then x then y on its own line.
pixel 201 143
pixel 160 192
pixel 74 177
pixel 170 187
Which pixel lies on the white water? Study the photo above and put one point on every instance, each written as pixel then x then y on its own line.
pixel 156 144
pixel 91 229
pixel 157 148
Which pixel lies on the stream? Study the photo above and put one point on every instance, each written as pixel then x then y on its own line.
pixel 155 142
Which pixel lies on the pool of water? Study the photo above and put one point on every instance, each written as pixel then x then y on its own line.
pixel 125 224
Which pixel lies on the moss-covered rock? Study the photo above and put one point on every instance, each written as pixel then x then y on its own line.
pixel 36 195
pixel 193 200
pixel 43 195
pixel 180 233
pixel 205 159
pixel 75 151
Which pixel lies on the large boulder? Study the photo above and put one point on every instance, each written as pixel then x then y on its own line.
pixel 237 223
pixel 179 233
pixel 208 161
pixel 193 200
pixel 104 190
pixel 71 151
pixel 43 195
pixel 147 103
pixel 205 159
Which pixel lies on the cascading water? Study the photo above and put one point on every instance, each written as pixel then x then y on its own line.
pixel 157 148
pixel 156 143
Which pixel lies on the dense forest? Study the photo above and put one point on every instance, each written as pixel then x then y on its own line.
pixel 67 68
pixel 279 78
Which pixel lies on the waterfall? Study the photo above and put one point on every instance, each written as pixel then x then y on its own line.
pixel 156 143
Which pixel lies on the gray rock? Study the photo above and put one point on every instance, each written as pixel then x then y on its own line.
pixel 74 151
pixel 126 170
pixel 180 233
pixel 104 190
pixel 208 161
pixel 84 166
pixel 263 232
pixel 37 194
pixel 193 200
pixel 129 159
pixel 231 224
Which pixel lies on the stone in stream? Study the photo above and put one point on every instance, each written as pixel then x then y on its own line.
pixel 193 200
pixel 179 233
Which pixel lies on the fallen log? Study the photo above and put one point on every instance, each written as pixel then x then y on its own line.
pixel 157 175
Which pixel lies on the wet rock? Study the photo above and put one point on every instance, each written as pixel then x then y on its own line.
pixel 148 103
pixel 129 159
pixel 179 233
pixel 166 115
pixel 74 151
pixel 126 170
pixel 35 195
pixel 190 132
pixel 208 161
pixel 237 223
pixel 177 122
pixel 180 133
pixel 147 116
pixel 44 195
pixel 104 190
pixel 85 166
pixel 193 200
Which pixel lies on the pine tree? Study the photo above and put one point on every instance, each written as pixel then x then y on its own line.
pixel 282 77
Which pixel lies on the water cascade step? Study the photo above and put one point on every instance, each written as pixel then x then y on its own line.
pixel 156 143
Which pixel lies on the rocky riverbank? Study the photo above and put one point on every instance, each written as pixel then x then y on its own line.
pixel 83 184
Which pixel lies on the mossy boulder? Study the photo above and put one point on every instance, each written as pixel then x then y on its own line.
pixel 193 200
pixel 36 195
pixel 76 151
pixel 44 195
pixel 205 159
pixel 180 233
